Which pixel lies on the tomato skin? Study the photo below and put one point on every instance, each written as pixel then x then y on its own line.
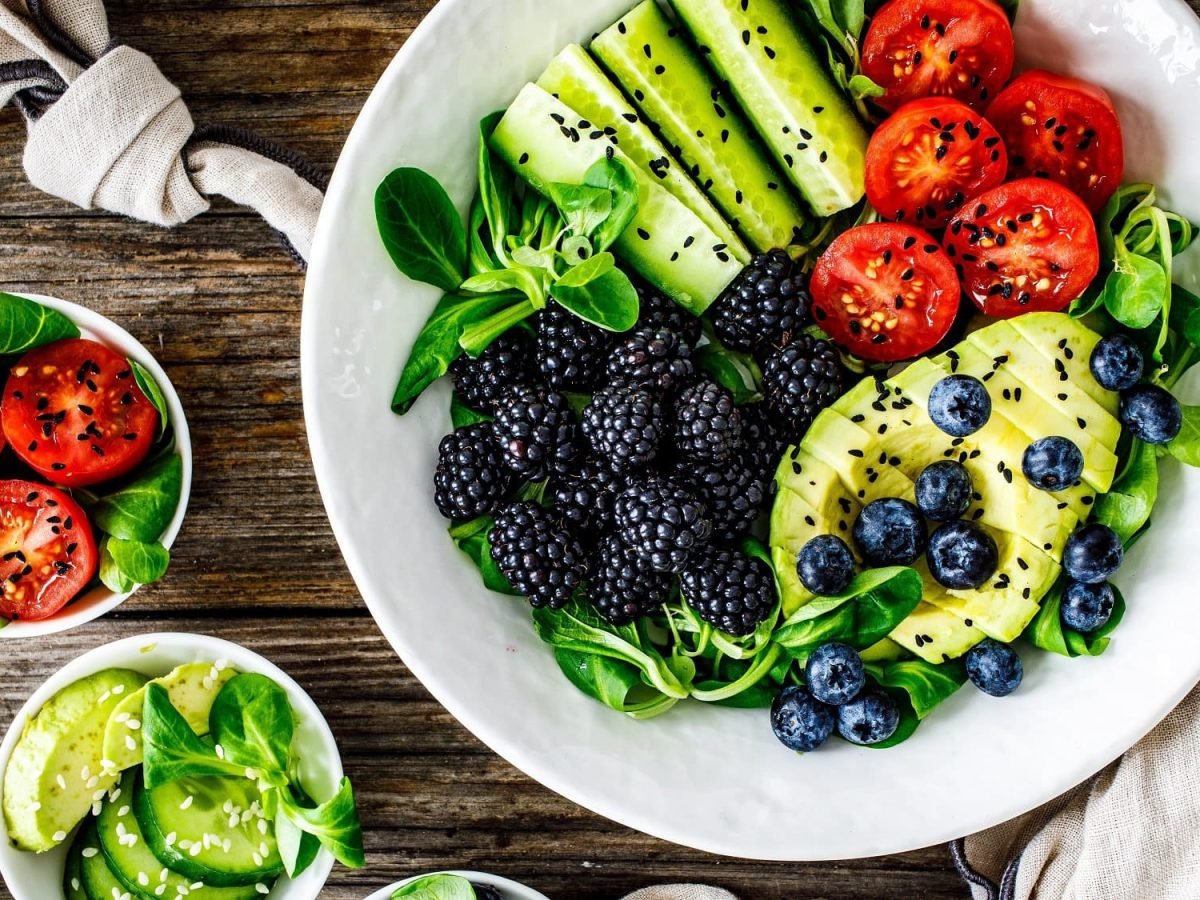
pixel 1026 246
pixel 1064 129
pixel 929 159
pixel 73 413
pixel 952 48
pixel 886 292
pixel 48 550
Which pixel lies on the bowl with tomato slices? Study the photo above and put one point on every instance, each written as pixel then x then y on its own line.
pixel 95 466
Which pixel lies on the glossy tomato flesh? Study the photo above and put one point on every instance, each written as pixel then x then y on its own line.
pixel 945 48
pixel 47 550
pixel 1027 246
pixel 74 413
pixel 929 159
pixel 1063 129
pixel 885 292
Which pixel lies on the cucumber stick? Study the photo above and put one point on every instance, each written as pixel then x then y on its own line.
pixel 541 138
pixel 756 46
pixel 672 88
pixel 575 79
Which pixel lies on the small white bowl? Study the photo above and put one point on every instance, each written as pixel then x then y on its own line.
pixel 31 876
pixel 510 889
pixel 100 600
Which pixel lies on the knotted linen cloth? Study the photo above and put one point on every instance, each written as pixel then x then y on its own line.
pixel 106 129
pixel 681 892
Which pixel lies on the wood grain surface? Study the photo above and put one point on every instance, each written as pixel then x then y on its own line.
pixel 256 562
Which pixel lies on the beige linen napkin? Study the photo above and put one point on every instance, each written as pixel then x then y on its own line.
pixel 681 892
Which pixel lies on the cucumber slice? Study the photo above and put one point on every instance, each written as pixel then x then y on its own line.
pixel 779 81
pixel 123 847
pixel 657 66
pixel 667 242
pixel 575 79
pixel 188 809
pixel 97 879
pixel 73 873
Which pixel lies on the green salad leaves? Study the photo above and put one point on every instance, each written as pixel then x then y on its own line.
pixel 436 887
pixel 25 324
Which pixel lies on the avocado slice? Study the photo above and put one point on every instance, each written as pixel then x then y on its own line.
pixel 55 773
pixel 192 689
pixel 1058 336
pixel 935 635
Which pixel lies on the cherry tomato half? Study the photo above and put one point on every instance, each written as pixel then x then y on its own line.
pixel 947 48
pixel 1063 129
pixel 885 292
pixel 73 412
pixel 929 159
pixel 1026 246
pixel 47 550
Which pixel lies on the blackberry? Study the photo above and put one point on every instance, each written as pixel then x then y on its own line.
pixel 652 359
pixel 762 443
pixel 660 311
pixel 570 351
pixel 729 590
pixel 767 302
pixel 539 558
pixel 624 426
pixel 733 491
pixel 799 381
pixel 585 500
pixel 470 479
pixel 535 429
pixel 705 424
pixel 664 524
pixel 620 587
pixel 507 361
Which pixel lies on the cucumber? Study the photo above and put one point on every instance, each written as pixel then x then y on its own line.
pixel 666 242
pixel 97 879
pixel 672 88
pixel 757 47
pixel 124 849
pixel 73 873
pixel 575 79
pixel 252 855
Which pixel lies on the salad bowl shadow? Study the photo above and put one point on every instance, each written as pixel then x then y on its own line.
pixel 100 600
pixel 509 890
pixel 32 876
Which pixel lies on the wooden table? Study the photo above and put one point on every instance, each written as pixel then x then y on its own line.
pixel 256 562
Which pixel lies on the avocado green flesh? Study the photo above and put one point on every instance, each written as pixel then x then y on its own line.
pixel 782 87
pixel 672 88
pixel 55 774
pixel 1054 339
pixel 666 242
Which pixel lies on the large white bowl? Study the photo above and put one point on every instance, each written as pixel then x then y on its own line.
pixel 711 778
pixel 39 876
pixel 100 600
pixel 510 889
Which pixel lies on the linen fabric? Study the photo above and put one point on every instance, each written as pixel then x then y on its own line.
pixel 681 892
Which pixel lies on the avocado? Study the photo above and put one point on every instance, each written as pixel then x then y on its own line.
pixel 55 774
pixel 1058 336
pixel 192 688
pixel 884 651
pixel 936 635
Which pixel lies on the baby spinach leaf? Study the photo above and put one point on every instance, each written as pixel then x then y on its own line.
pixel 1128 504
pixel 149 387
pixel 478 336
pixel 334 823
pixel 462 415
pixel 1186 445
pixel 471 538
pixel 25 324
pixel 111 574
pixel 926 684
pixel 737 372
pixel 621 184
pixel 436 887
pixel 599 293
pixel 251 720
pixel 142 509
pixel 421 229
pixel 870 608
pixel 1136 291
pixel 138 562
pixel 171 749
pixel 481 254
pixel 615 683
pixel 1046 631
pixel 497 188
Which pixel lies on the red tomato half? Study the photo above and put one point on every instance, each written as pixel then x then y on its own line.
pixel 74 413
pixel 47 550
pixel 946 48
pixel 1027 246
pixel 885 292
pixel 929 159
pixel 1063 129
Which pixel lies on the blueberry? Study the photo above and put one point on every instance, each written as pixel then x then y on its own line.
pixel 962 556
pixel 1117 362
pixel 871 718
pixel 994 668
pixel 1151 414
pixel 835 673
pixel 890 532
pixel 1087 607
pixel 801 722
pixel 1093 554
pixel 1052 464
pixel 960 405
pixel 944 491
pixel 825 565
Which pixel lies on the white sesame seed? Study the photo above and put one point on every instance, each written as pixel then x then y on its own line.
pixel 197 885
pixel 59 836
pixel 208 683
pixel 187 802
pixel 195 851
pixel 108 766
pixel 262 826
pixel 89 852
pixel 258 860
pixel 262 888
pixel 169 840
pixel 143 879
pixel 114 794
pixel 162 876
pixel 160 890
pixel 221 664
pixel 264 849
pixel 220 751
pixel 133 724
pixel 185 844
pixel 97 796
pixel 123 811
pixel 85 773
pixel 226 845
pixel 130 742
pixel 121 718
pixel 104 698
pixel 75 885
pixel 118 690
pixel 92 782
pixel 62 782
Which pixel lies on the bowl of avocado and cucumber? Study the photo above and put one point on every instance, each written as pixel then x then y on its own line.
pixel 168 765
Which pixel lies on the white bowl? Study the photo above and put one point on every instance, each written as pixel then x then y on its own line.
pixel 715 779
pixel 100 600
pixel 33 876
pixel 510 889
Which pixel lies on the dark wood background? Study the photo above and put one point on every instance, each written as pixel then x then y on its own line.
pixel 256 562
